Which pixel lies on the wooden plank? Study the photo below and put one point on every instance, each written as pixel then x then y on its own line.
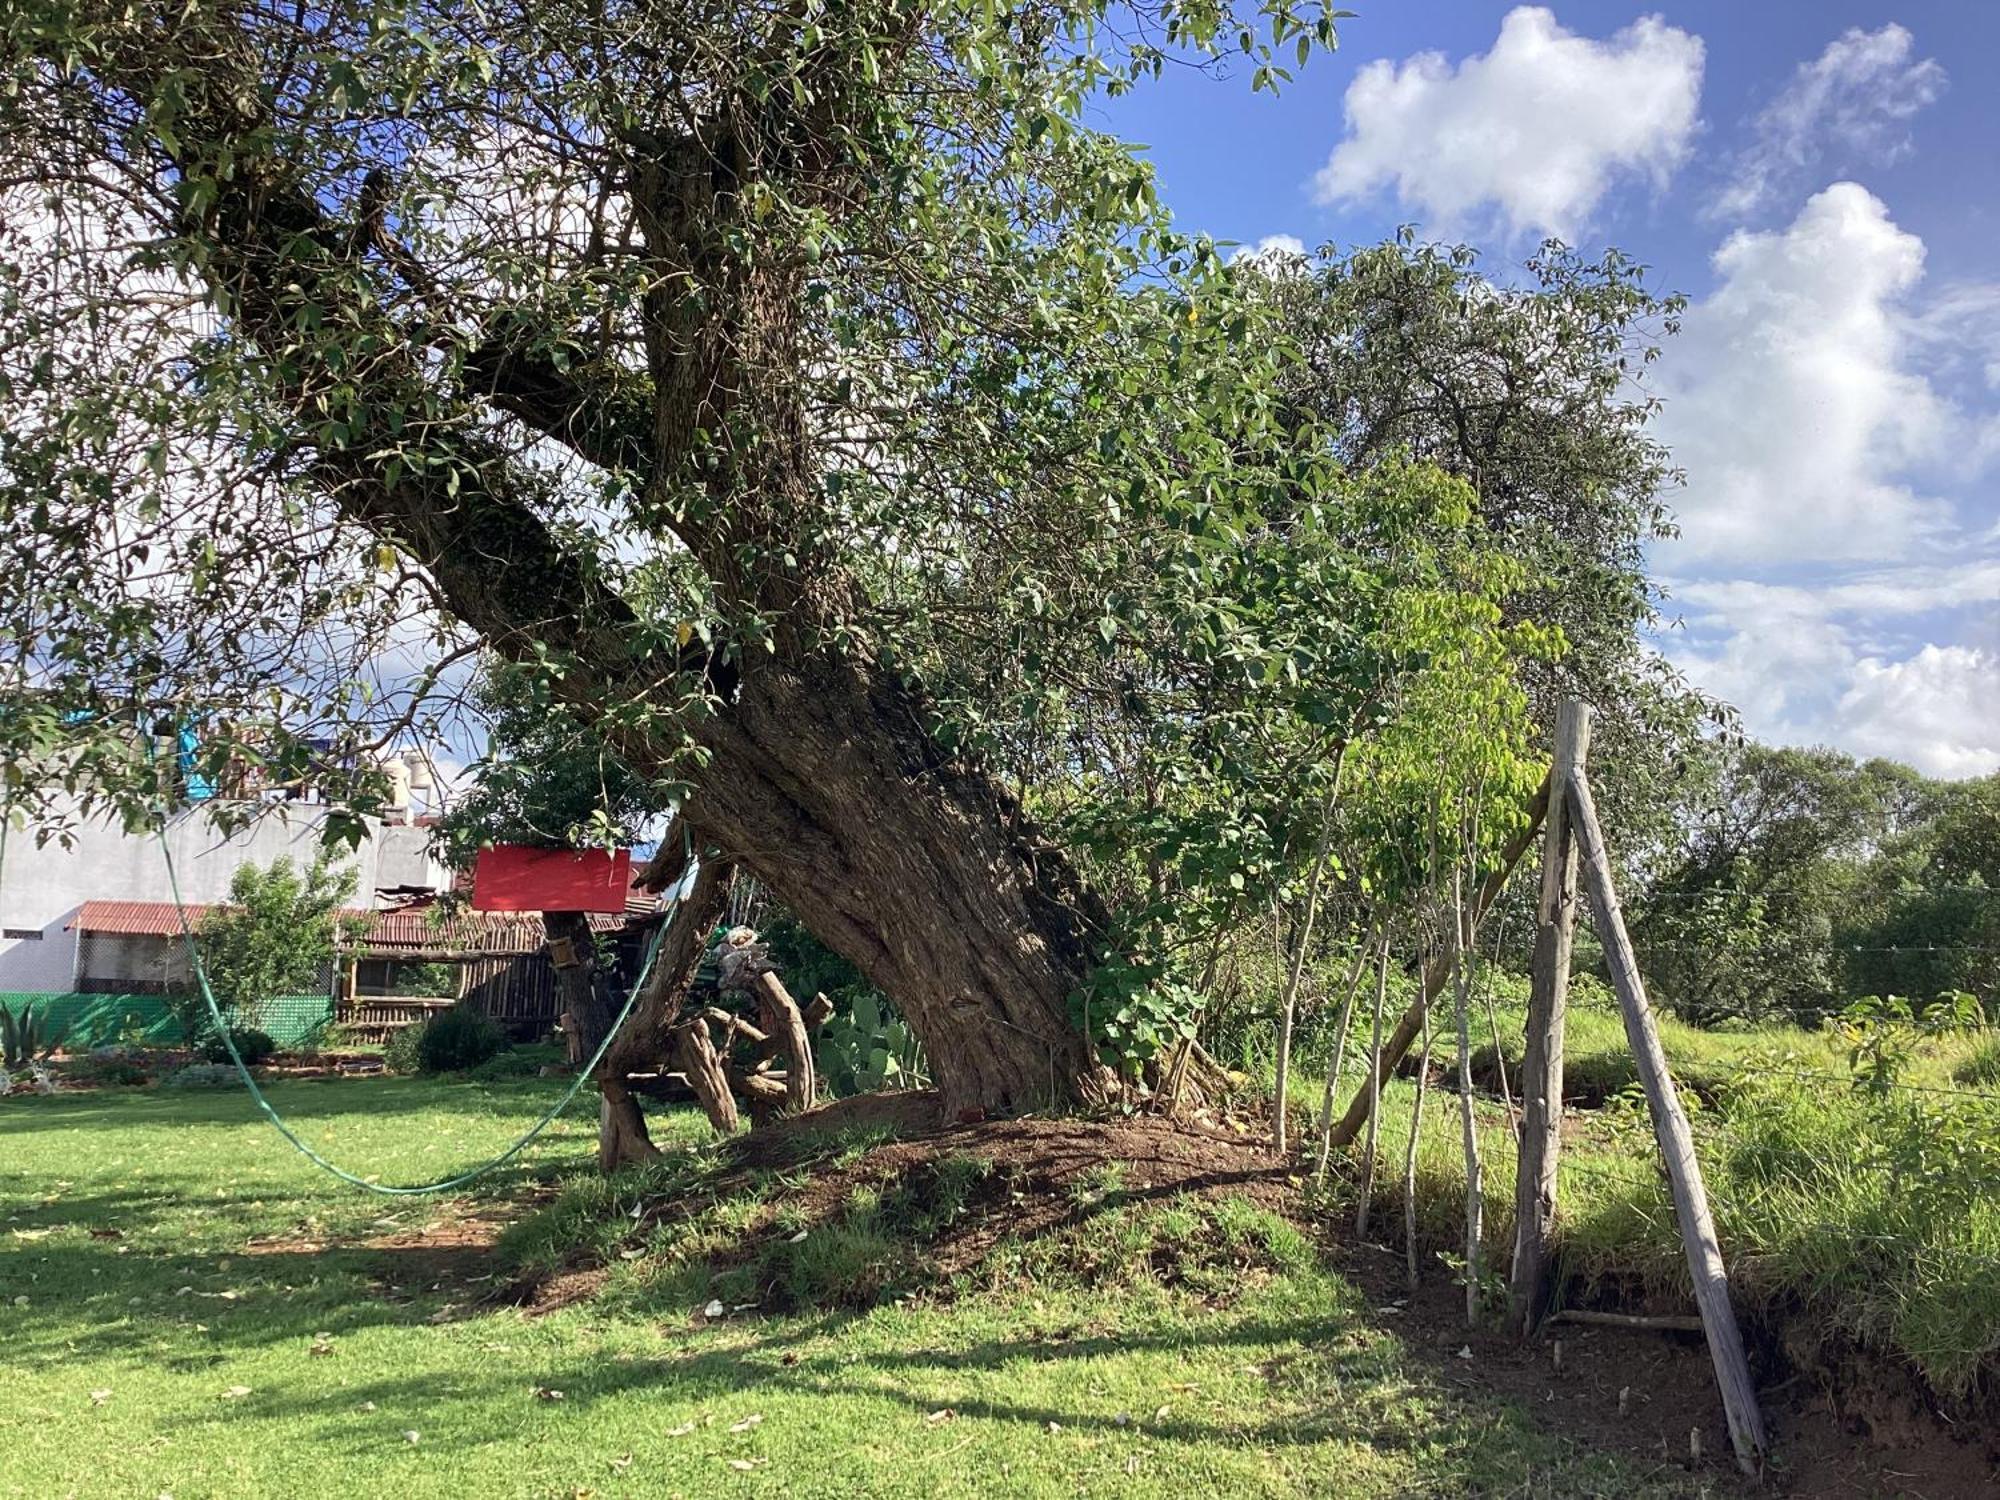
pixel 1670 1125
pixel 1548 1005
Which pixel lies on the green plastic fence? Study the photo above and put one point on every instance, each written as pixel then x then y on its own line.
pixel 95 1020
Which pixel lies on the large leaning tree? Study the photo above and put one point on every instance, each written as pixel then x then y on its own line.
pixel 801 397
pixel 685 353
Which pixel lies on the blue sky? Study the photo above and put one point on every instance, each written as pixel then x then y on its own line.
pixel 1823 181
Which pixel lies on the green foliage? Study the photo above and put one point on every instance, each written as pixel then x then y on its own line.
pixel 865 1047
pixel 547 779
pixel 252 1045
pixel 458 1039
pixel 203 1075
pixel 1981 1067
pixel 276 936
pixel 27 1036
pixel 525 1061
pixel 1882 1031
pixel 403 1052
pixel 435 980
pixel 1797 881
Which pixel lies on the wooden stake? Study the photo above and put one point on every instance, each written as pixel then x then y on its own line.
pixel 1670 1125
pixel 1548 1006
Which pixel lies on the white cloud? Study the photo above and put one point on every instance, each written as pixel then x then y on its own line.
pixel 1532 133
pixel 1793 399
pixel 1272 247
pixel 1939 710
pixel 1853 103
pixel 1847 663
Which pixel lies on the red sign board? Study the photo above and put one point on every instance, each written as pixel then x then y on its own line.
pixel 513 877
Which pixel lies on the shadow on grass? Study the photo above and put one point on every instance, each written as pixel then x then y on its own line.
pixel 294 1098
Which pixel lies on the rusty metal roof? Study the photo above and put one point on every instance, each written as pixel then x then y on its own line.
pixel 137 918
pixel 411 929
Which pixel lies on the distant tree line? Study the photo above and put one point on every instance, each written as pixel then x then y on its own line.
pixel 1791 882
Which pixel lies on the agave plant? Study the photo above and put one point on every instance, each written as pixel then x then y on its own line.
pixel 26 1036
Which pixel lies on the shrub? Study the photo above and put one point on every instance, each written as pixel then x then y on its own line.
pixel 203 1076
pixel 519 1062
pixel 252 1045
pixel 402 1052
pixel 26 1036
pixel 110 1067
pixel 457 1040
pixel 1981 1068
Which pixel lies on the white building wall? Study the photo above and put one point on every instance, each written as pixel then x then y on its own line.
pixel 41 890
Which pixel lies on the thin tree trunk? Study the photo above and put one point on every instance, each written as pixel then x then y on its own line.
pixel 1475 1185
pixel 1302 942
pixel 1374 1087
pixel 1435 974
pixel 1410 1155
pixel 1351 990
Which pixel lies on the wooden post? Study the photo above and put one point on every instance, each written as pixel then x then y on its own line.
pixel 1704 1254
pixel 1548 1004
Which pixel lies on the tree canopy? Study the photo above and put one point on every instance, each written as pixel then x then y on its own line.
pixel 806 404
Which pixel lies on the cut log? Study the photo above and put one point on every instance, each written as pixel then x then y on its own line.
pixel 694 1050
pixel 783 1020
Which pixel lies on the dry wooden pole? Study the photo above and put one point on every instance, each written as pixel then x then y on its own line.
pixel 694 1050
pixel 1670 1125
pixel 1435 973
pixel 1548 1006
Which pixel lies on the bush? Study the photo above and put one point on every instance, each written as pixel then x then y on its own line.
pixel 520 1062
pixel 109 1067
pixel 252 1045
pixel 401 1053
pixel 1982 1068
pixel 457 1040
pixel 203 1076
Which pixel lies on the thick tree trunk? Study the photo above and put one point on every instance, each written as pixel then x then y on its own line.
pixel 920 871
pixel 822 777
pixel 588 1005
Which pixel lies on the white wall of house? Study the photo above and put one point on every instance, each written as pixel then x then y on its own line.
pixel 42 889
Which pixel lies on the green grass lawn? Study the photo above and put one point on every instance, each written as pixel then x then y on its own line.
pixel 188 1308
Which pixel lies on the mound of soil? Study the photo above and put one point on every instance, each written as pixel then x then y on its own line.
pixel 1039 1170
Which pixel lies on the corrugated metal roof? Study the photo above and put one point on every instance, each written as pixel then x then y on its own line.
pixel 410 929
pixel 138 918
